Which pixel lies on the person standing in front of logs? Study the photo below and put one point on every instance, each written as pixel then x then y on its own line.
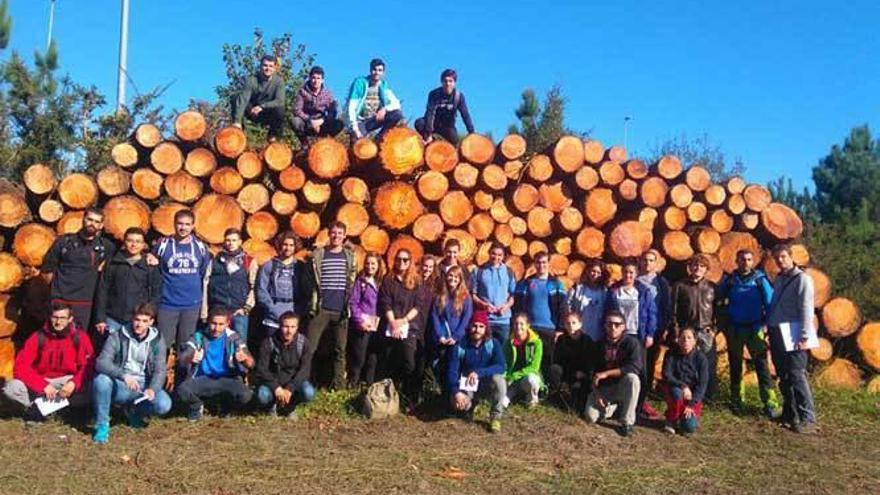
pixel 261 99
pixel 371 104
pixel 450 316
pixel 492 287
pixel 315 109
pixel 451 250
pixel 543 297
pixel 279 283
pixel 649 274
pixel 363 337
pixel 443 103
pixel 229 282
pixel 587 299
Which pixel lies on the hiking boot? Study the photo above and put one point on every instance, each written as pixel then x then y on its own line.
pixel 133 418
pixel 806 428
pixel 772 413
pixel 668 428
pixel 101 434
pixel 626 431
pixel 495 426
pixel 196 414
pixel 648 411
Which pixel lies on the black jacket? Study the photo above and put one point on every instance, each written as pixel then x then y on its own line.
pixel 626 354
pixel 691 370
pixel 574 355
pixel 284 366
pixel 75 264
pixel 123 287
pixel 441 109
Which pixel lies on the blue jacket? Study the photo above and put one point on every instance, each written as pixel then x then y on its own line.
pixel 557 299
pixel 446 323
pixel 486 359
pixel 647 309
pixel 748 298
pixel 183 268
pixel 358 91
pixel 269 295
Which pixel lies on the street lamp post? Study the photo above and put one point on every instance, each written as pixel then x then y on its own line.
pixel 626 121
pixel 123 49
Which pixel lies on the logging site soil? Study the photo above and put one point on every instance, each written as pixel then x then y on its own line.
pixel 543 450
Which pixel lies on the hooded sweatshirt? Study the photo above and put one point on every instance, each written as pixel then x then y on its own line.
pixel 529 363
pixel 126 354
pixel 61 354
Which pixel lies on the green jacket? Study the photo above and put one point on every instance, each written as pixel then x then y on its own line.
pixel 314 279
pixel 534 352
pixel 267 93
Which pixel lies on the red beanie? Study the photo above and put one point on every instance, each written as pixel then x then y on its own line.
pixel 480 317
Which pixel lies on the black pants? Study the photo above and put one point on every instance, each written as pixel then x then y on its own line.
pixel 194 389
pixel 339 326
pixel 303 128
pixel 362 356
pixel 580 389
pixel 400 362
pixel 791 367
pixel 548 341
pixel 445 129
pixel 391 119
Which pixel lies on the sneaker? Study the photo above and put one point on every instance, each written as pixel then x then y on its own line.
pixel 293 415
pixel 532 403
pixel 626 430
pixel 668 428
pixel 806 428
pixel 495 426
pixel 101 434
pixel 196 414
pixel 134 419
pixel 649 412
pixel 772 413
pixel 273 411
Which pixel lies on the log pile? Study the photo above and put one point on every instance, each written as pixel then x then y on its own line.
pixel 575 200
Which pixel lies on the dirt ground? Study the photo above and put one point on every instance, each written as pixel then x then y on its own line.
pixel 544 450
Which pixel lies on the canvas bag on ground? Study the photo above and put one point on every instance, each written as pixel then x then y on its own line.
pixel 381 400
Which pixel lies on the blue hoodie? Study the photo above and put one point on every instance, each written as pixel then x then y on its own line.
pixel 486 359
pixel 748 299
pixel 183 268
pixel 358 91
pixel 447 323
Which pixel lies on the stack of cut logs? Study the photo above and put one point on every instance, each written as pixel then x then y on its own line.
pixel 576 200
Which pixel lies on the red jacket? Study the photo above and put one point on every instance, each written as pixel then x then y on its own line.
pixel 58 357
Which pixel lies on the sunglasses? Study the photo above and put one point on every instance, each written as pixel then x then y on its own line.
pixel 615 323
pixel 404 260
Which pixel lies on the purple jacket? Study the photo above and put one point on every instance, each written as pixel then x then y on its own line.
pixel 363 302
pixel 308 105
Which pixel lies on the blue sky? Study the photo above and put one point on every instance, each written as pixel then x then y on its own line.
pixel 776 82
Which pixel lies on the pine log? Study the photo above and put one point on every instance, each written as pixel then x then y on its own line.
pixel 113 181
pixel 226 180
pixel 499 211
pixel 456 209
pixel 586 178
pixel 183 187
pixel 261 251
pixel 147 135
pixel 715 195
pixel 328 158
pixel 40 179
pixel 468 244
pixel 681 195
pixel 653 192
pixel 590 242
pixel 278 156
pixel 749 220
pixel 674 218
pixel 721 221
pixel 840 374
pixel 868 342
pixel 636 169
pixel 428 227
pixel 735 185
pixel 483 201
pixel 698 178
pixel 519 246
pixel 841 317
pixel 731 243
pixel 70 223
pixel 611 173
pixel 355 190
pixel 677 245
pixel 401 151
pixel 516 266
pixel 316 193
pixel 568 153
pixel 494 177
pixel 200 162
pixel 441 156
pixel 124 155
pixel 253 198
pixel 481 226
pixel 648 217
pixel 292 178
pixel 162 218
pixel 559 265
pixel 305 224
pixel 600 206
pixel 715 273
pixel 757 197
pixel 821 286
pixel 7 358
pixel 513 169
pixel 540 168
pixel 230 142
pixel 525 197
pixel 630 239
pixel 594 151
pixel 669 167
pixel 571 219
pixel 283 203
pixel 513 146
pixel 50 210
pixel 375 240
pixel 555 197
pixel 11 274
pixel 800 255
pixel 403 241
pixel 466 175
pixel 628 190
pixel 503 234
pixel 355 217
pixel 397 205
pixel 477 149
pixel 539 220
pixel 214 214
pixel 616 153
pixel 781 222
pixel 482 256
pixel 9 316
pixel 14 209
pixel 518 225
pixel 365 150
pixel 190 126
pixel 78 191
pixel 706 240
pixel 166 158
pixel 824 352
pixel 697 212
pixel 249 165
pixel 31 243
pixel 563 246
pixel 123 212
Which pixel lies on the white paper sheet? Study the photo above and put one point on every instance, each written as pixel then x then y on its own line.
pixel 792 333
pixel 464 387
pixel 48 407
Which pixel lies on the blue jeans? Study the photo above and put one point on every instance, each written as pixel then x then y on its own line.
pixel 107 391
pixel 303 394
pixel 113 325
pixel 240 325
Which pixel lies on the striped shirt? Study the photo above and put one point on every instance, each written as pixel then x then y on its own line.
pixel 333 281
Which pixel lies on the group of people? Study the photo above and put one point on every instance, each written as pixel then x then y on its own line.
pixel 372 107
pixel 122 320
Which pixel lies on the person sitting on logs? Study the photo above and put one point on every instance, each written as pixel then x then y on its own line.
pixel 443 103
pixel 126 282
pixel 131 372
pixel 371 103
pixel 55 365
pixel 279 283
pixel 570 372
pixel 522 352
pixel 685 377
pixel 315 109
pixel 230 279
pixel 74 263
pixel 261 99
pixel 283 368
pixel 476 369
pixel 543 297
pixel 616 379
pixel 217 359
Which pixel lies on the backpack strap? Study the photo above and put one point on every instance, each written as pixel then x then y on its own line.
pixel 41 342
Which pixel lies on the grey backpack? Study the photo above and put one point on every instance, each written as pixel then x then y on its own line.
pixel 381 400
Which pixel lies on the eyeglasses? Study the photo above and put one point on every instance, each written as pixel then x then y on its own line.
pixel 403 260
pixel 615 323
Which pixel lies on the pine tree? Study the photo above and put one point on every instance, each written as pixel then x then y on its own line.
pixel 848 179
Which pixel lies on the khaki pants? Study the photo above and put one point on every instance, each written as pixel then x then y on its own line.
pixel 622 392
pixel 17 392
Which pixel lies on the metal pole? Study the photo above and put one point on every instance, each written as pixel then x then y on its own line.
pixel 123 49
pixel 625 129
pixel 51 23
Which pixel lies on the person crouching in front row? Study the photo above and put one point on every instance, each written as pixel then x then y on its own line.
pixel 685 379
pixel 283 368
pixel 218 360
